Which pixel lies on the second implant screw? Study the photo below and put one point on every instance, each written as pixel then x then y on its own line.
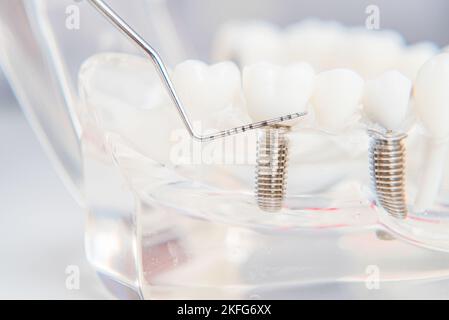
pixel 271 171
pixel 387 166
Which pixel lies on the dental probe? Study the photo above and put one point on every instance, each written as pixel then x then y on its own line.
pixel 120 24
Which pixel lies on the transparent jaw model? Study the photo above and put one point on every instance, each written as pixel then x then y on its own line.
pixel 173 217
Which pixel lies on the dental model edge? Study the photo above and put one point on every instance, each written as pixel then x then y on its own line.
pixel 431 94
pixel 162 71
pixel 267 89
pixel 386 99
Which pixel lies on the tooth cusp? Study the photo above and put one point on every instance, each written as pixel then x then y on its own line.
pixel 386 100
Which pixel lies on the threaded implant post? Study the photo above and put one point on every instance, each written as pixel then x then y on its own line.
pixel 271 171
pixel 387 169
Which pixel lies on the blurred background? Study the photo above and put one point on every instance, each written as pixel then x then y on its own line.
pixel 41 225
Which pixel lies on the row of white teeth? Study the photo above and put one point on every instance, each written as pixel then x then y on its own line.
pixel 326 45
pixel 264 91
pixel 335 97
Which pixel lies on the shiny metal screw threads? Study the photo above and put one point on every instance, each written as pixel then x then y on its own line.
pixel 271 171
pixel 387 166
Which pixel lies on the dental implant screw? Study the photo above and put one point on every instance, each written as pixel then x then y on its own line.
pixel 387 154
pixel 271 170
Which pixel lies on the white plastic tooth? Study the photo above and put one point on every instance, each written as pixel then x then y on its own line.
pixel 336 98
pixel 207 90
pixel 213 98
pixel 249 43
pixel 314 41
pixel 431 94
pixel 414 57
pixel 273 91
pixel 386 100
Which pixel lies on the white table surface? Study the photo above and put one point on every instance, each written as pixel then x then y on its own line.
pixel 41 226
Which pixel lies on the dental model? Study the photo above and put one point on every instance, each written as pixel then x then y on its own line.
pixel 336 98
pixel 386 101
pixel 269 87
pixel 431 94
pixel 272 90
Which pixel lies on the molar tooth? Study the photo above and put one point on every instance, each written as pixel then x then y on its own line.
pixel 386 99
pixel 272 91
pixel 207 90
pixel 336 97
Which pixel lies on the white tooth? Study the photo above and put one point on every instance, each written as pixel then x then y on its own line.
pixel 432 106
pixel 386 99
pixel 206 90
pixel 371 52
pixel 249 43
pixel 313 41
pixel 337 97
pixel 414 57
pixel 432 95
pixel 272 91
